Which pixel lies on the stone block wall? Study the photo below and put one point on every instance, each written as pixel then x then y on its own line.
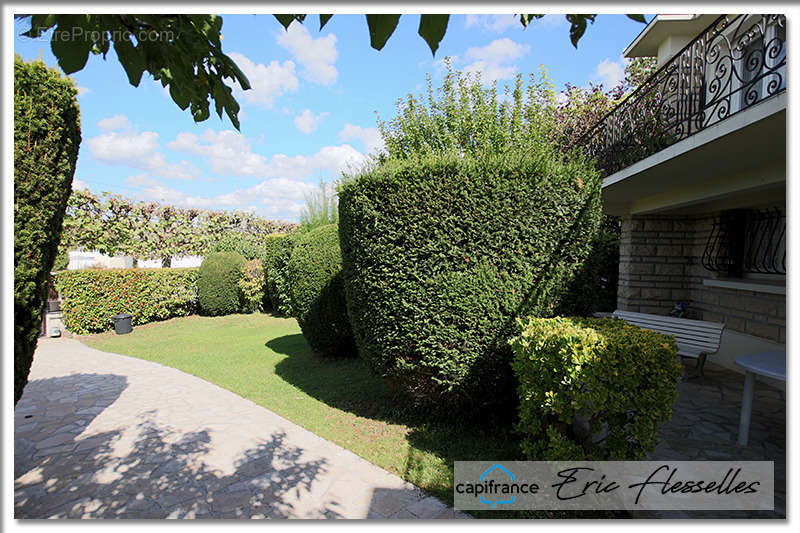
pixel 660 265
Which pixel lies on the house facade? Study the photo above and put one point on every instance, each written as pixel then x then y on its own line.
pixel 695 165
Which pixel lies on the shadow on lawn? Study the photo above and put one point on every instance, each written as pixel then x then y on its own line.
pixel 349 385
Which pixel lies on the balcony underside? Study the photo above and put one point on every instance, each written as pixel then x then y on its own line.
pixel 738 162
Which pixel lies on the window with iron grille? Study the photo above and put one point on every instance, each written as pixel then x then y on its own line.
pixel 747 241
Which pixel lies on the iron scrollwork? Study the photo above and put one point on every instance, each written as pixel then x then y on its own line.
pixel 738 61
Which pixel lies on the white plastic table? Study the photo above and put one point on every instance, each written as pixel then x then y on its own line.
pixel 769 364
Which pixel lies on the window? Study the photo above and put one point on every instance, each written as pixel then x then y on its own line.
pixel 747 243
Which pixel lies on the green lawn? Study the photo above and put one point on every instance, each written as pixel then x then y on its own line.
pixel 268 361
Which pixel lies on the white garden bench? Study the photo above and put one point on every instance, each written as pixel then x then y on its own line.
pixel 695 338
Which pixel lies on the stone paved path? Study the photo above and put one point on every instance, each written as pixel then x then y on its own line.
pixel 705 425
pixel 104 435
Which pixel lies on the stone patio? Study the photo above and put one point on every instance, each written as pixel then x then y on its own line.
pixel 100 435
pixel 705 425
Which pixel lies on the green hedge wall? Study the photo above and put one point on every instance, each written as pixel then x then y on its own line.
pixel 314 273
pixel 218 279
pixel 92 297
pixel 592 389
pixel 47 136
pixel 441 253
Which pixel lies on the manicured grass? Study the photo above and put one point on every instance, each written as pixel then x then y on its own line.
pixel 268 361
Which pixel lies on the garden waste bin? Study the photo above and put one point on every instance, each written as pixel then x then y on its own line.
pixel 122 323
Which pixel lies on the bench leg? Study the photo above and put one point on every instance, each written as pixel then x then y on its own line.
pixel 701 362
pixel 747 408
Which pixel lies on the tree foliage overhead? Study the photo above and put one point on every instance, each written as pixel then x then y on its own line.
pixel 112 224
pixel 184 52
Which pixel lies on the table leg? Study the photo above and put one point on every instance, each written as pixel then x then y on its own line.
pixel 747 408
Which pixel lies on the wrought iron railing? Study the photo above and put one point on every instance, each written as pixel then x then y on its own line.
pixel 738 61
pixel 747 241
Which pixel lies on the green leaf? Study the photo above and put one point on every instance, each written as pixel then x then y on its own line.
pixel 179 96
pixel 72 54
pixel 323 19
pixel 132 60
pixel 527 19
pixel 578 27
pixel 637 18
pixel 381 28
pixel 432 28
pixel 286 20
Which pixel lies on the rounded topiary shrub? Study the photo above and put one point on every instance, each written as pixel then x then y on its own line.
pixel 47 135
pixel 218 291
pixel 592 389
pixel 442 252
pixel 314 275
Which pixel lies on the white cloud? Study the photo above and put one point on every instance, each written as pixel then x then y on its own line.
pixel 317 56
pixel 333 159
pixel 79 185
pixel 495 23
pixel 609 73
pixel 83 90
pixel 277 198
pixel 307 121
pixel 229 152
pixel 117 122
pixel 137 150
pixel 267 82
pixel 492 60
pixel 126 148
pixel 142 180
pixel 370 137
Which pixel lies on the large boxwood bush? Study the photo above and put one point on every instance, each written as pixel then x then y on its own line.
pixel 594 287
pixel 314 273
pixel 47 135
pixel 442 251
pixel 592 389
pixel 91 297
pixel 218 290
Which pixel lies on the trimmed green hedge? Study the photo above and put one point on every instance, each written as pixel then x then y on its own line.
pixel 278 249
pixel 218 284
pixel 47 135
pixel 441 253
pixel 592 389
pixel 594 287
pixel 314 272
pixel 91 297
pixel 236 242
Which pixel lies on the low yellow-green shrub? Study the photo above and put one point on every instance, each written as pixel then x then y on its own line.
pixel 592 389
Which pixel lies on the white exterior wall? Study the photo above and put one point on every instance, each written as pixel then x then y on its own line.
pixel 82 259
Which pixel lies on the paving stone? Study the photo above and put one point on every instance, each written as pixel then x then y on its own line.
pixel 427 508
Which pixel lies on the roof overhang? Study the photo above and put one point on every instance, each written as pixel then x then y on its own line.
pixel 661 27
pixel 746 151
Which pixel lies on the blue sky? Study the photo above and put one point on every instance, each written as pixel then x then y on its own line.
pixel 312 110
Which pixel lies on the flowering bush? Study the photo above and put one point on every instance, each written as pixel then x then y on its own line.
pixel 251 285
pixel 91 297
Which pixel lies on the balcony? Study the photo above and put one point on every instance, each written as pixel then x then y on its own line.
pixel 737 62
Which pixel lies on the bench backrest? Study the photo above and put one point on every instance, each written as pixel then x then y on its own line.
pixel 696 335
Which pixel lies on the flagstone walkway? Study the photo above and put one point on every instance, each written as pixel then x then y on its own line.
pixel 100 435
pixel 705 425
